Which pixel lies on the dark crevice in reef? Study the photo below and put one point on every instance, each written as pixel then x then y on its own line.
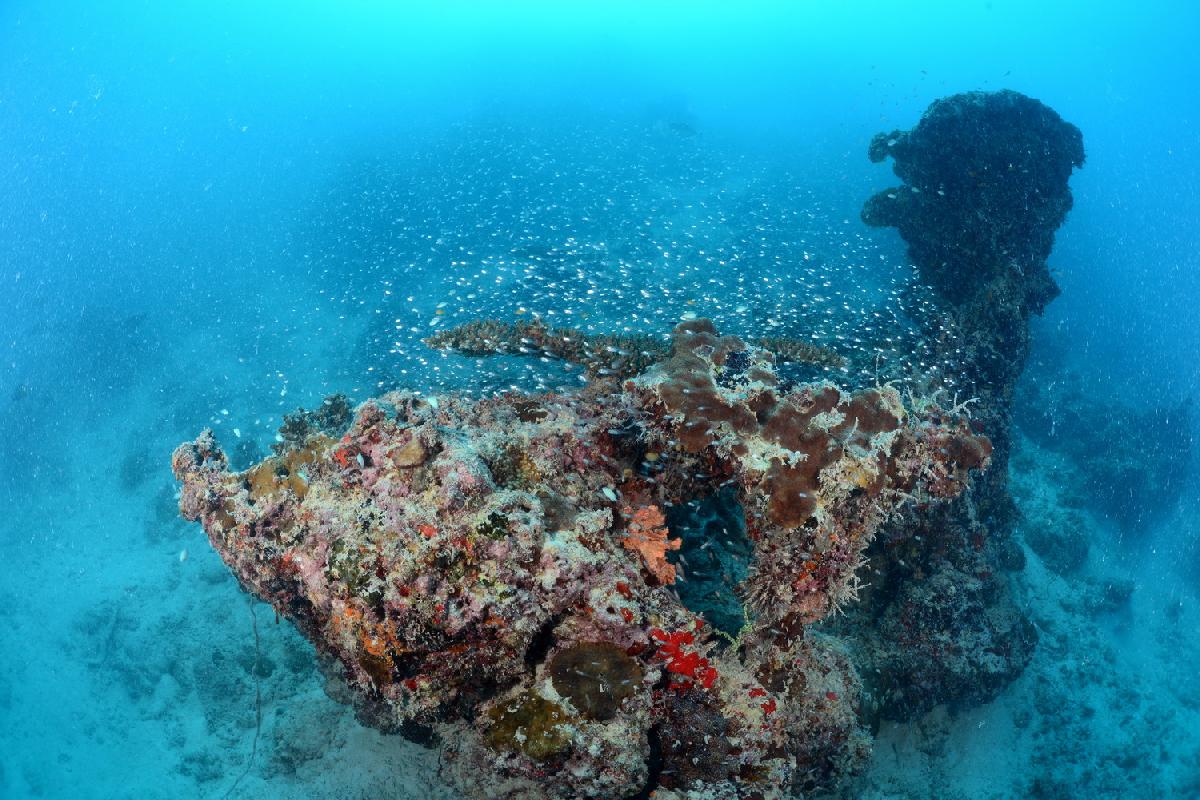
pixel 654 764
pixel 714 558
pixel 542 641
pixel 417 733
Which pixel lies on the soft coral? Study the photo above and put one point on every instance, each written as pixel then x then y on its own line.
pixel 689 664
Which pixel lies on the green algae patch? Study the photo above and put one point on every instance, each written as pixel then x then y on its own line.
pixel 495 527
pixel 528 724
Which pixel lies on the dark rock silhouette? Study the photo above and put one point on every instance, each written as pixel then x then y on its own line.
pixel 985 187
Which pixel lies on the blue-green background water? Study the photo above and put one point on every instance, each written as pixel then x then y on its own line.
pixel 213 212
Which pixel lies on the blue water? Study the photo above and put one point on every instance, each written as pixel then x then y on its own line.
pixel 212 213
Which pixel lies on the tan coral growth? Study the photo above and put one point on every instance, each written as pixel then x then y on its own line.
pixel 648 536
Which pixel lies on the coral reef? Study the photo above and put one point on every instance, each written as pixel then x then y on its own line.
pixel 331 419
pixel 938 623
pixel 621 356
pixel 496 575
pixel 945 638
pixel 788 349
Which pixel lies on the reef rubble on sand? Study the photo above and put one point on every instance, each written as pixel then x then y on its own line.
pixel 497 576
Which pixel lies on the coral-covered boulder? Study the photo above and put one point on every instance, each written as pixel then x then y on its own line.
pixel 499 572
pixel 946 639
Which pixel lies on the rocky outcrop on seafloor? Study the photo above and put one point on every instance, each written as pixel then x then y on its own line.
pixel 984 189
pixel 603 355
pixel 985 186
pixel 498 576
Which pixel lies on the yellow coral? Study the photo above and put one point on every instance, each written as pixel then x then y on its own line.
pixel 284 472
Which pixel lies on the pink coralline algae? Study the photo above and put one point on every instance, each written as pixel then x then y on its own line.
pixel 492 574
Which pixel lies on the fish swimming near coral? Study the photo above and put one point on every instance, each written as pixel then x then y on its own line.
pixel 494 572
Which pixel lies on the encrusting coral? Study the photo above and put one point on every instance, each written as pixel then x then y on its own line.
pixel 790 349
pixel 494 572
